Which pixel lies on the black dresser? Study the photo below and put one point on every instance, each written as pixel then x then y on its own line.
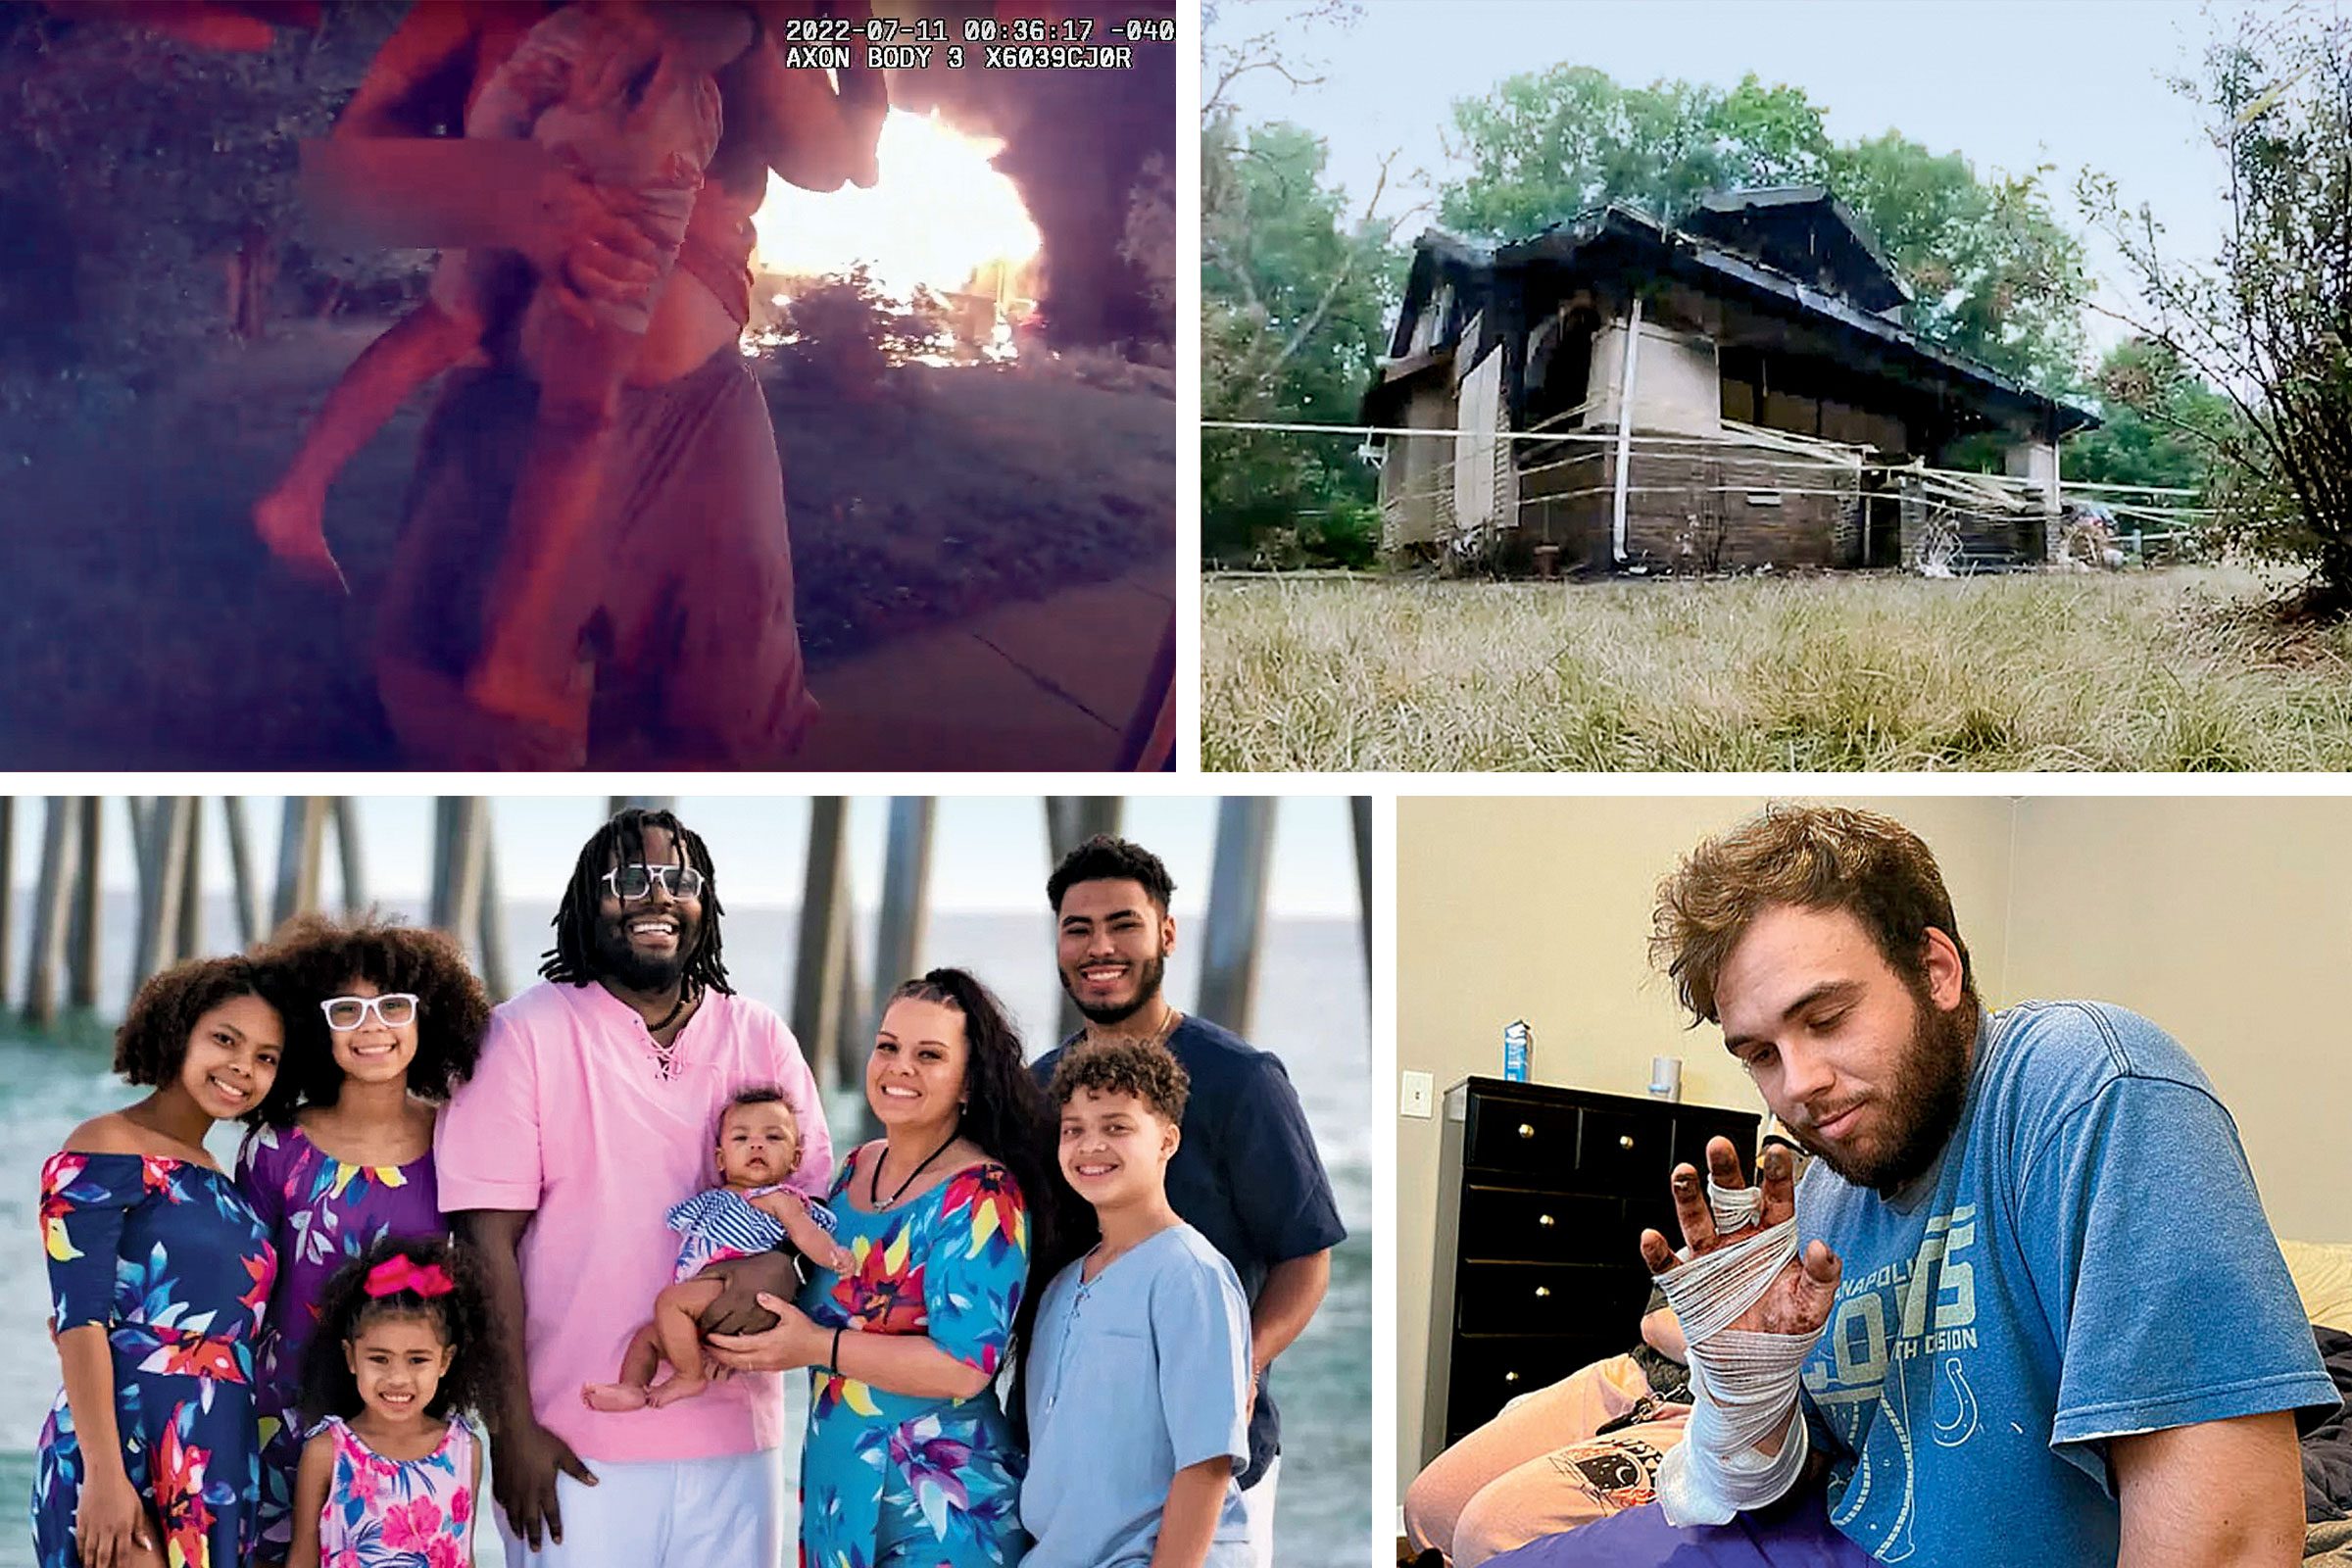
pixel 1542 1196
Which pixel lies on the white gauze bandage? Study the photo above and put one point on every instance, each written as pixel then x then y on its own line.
pixel 1743 1384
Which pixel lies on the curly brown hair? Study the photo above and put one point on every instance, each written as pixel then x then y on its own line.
pixel 1143 1068
pixel 1810 858
pixel 153 1040
pixel 461 1315
pixel 315 957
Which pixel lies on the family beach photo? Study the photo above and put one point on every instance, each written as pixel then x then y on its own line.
pixel 356 1258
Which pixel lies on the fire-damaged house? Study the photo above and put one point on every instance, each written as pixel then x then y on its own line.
pixel 1782 413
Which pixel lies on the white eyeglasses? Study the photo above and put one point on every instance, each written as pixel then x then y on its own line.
pixel 345 1014
pixel 631 883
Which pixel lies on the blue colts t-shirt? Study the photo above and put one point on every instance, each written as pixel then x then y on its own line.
pixel 2088 1259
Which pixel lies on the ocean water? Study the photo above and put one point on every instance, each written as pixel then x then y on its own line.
pixel 1313 1008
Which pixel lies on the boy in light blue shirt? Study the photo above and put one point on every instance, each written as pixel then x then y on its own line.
pixel 1139 1367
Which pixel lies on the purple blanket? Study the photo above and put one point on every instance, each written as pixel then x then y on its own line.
pixel 1795 1533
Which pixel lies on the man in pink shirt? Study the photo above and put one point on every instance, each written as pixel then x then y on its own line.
pixel 593 1110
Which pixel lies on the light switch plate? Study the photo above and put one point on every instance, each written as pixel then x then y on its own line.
pixel 1414 1099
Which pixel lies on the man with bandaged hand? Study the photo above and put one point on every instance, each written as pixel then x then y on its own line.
pixel 2023 1309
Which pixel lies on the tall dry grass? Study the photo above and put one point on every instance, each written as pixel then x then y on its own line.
pixel 2156 671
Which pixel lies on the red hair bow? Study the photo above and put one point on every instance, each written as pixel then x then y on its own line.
pixel 402 1272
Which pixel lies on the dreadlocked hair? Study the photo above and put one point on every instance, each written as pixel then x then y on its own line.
pixel 1007 1116
pixel 459 1315
pixel 621 842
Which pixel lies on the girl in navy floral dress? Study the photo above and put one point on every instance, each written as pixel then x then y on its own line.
pixel 157 1270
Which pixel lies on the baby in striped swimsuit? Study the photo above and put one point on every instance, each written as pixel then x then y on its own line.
pixel 751 1212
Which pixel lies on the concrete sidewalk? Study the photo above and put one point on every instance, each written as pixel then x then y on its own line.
pixel 1046 684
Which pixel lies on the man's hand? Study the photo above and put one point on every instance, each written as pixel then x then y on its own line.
pixel 795 1342
pixel 578 237
pixel 1798 1302
pixel 737 1311
pixel 525 1457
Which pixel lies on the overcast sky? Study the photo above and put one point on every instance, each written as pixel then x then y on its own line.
pixel 2010 84
pixel 987 853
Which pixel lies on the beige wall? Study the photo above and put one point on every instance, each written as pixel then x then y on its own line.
pixel 2229 924
pixel 2223 920
pixel 1677 388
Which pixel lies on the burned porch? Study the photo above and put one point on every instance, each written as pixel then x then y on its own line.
pixel 1781 414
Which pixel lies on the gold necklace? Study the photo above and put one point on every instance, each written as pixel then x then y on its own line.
pixel 1159 1037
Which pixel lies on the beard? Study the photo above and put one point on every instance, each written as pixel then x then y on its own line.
pixel 1147 975
pixel 1923 1105
pixel 631 970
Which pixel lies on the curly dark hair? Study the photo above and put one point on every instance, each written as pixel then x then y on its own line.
pixel 315 957
pixel 1007 1116
pixel 1104 858
pixel 1144 1068
pixel 622 840
pixel 153 1040
pixel 462 1317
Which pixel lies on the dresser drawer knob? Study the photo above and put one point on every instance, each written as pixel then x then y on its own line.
pixel 1547 1221
pixel 1525 1131
pixel 1543 1291
pixel 1626 1141
pixel 1510 1377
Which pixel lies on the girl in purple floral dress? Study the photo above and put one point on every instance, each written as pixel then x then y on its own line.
pixel 391 1475
pixel 389 1022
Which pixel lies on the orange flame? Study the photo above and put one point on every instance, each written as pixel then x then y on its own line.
pixel 941 216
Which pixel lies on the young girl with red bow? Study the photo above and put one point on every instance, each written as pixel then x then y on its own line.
pixel 391 1477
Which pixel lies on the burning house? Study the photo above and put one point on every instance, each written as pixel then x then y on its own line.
pixel 1781 414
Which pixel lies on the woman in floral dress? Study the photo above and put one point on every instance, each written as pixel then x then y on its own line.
pixel 910 1460
pixel 157 1270
pixel 386 1020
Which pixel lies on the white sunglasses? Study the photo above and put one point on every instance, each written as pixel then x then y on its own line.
pixel 345 1014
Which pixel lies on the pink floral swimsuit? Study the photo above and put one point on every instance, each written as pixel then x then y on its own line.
pixel 398 1513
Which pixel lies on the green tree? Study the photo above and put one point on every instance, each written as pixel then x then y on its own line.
pixel 148 159
pixel 1294 287
pixel 1292 290
pixel 1993 274
pixel 2270 325
pixel 2161 424
pixel 1546 146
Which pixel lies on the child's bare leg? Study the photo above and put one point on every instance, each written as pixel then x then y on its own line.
pixel 676 1310
pixel 531 643
pixel 638 1364
pixel 419 346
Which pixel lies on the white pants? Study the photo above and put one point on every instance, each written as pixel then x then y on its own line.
pixel 681 1513
pixel 1257 1504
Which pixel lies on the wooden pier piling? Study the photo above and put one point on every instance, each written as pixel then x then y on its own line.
pixel 1236 910
pixel 53 901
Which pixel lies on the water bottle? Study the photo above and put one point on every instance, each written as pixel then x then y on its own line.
pixel 1518 1050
